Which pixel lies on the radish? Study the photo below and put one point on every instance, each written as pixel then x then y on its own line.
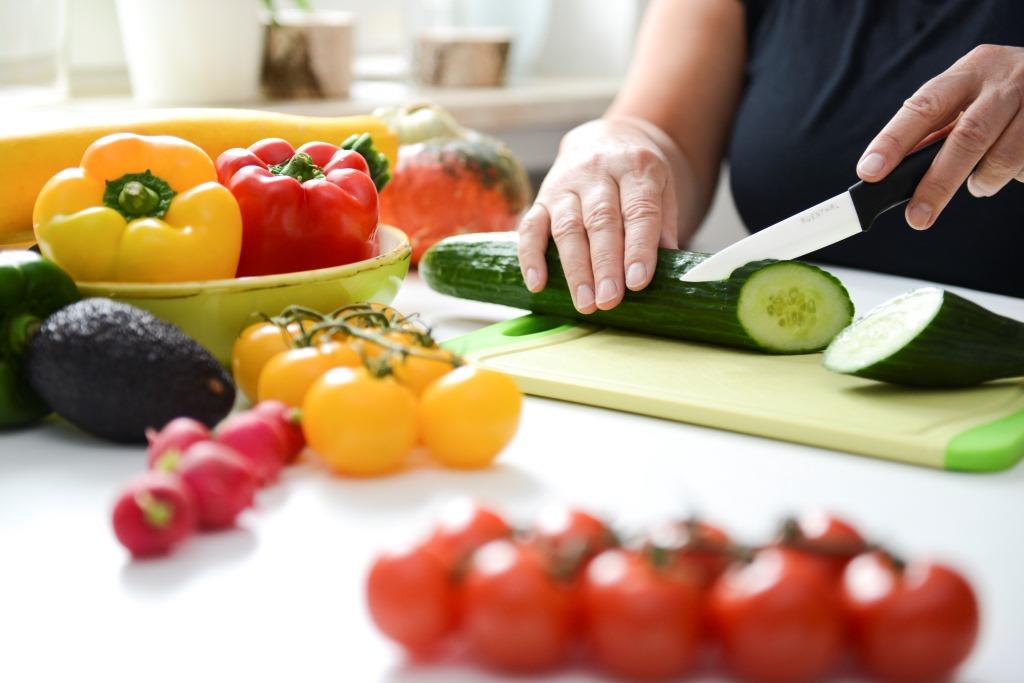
pixel 177 435
pixel 153 514
pixel 222 482
pixel 261 441
pixel 290 420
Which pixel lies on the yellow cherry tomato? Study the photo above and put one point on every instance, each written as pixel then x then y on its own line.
pixel 418 372
pixel 371 315
pixel 469 415
pixel 289 375
pixel 359 424
pixel 257 344
pixel 374 351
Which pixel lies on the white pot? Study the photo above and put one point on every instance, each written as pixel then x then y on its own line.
pixel 192 51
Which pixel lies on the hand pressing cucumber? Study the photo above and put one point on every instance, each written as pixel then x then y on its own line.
pixel 768 306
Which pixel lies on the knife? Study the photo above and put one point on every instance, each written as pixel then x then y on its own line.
pixel 831 221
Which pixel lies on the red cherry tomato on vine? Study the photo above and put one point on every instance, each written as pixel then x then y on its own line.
pixel 697 545
pixel 831 541
pixel 642 622
pixel 571 535
pixel 514 615
pixel 411 597
pixel 778 617
pixel 910 625
pixel 570 538
pixel 463 527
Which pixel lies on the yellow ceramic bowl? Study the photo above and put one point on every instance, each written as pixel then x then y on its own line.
pixel 214 312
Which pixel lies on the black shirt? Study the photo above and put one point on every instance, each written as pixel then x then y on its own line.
pixel 822 78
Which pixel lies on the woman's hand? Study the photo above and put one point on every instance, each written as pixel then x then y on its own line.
pixel 609 201
pixel 979 101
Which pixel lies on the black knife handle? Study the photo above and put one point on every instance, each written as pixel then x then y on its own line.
pixel 872 199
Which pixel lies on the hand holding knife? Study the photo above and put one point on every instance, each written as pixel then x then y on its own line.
pixel 831 221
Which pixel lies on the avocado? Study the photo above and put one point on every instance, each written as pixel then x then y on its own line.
pixel 114 370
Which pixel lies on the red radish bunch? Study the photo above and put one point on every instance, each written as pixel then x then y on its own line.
pixel 202 479
pixel 154 513
pixel 222 482
pixel 783 612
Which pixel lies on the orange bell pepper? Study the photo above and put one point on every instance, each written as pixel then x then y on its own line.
pixel 140 209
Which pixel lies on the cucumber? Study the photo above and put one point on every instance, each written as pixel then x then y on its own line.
pixel 929 338
pixel 768 306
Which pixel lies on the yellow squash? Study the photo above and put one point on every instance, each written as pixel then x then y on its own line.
pixel 30 159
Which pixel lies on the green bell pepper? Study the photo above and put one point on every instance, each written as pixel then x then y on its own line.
pixel 31 288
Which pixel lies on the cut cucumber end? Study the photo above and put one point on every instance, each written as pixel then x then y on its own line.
pixel 885 330
pixel 793 307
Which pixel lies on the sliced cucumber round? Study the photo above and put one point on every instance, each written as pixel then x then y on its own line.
pixel 929 338
pixel 790 307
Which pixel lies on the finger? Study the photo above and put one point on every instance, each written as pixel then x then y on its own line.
pixel 971 137
pixel 534 229
pixel 670 221
pixel 603 223
pixel 937 135
pixel 935 104
pixel 1003 162
pixel 573 250
pixel 644 219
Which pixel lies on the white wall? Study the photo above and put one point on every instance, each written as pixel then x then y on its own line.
pixel 589 37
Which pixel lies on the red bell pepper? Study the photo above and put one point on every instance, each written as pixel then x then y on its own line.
pixel 314 207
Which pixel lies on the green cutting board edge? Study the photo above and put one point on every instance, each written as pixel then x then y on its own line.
pixel 791 398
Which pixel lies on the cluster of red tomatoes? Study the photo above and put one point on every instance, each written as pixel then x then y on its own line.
pixel 791 610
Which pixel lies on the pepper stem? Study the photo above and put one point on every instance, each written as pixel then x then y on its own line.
pixel 137 199
pixel 300 167
pixel 138 195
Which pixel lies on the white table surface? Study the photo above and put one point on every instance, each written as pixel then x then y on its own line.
pixel 281 598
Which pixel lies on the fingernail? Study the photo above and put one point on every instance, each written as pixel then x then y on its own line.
pixel 607 290
pixel 532 279
pixel 919 215
pixel 635 275
pixel 584 297
pixel 872 164
pixel 976 188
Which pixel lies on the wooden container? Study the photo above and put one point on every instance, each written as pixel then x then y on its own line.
pixel 308 54
pixel 462 57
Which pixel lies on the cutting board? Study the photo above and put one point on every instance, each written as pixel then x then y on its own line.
pixel 791 398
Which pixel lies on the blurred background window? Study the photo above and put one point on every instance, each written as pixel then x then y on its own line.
pixel 44 41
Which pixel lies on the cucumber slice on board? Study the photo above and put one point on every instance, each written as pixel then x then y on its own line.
pixel 930 338
pixel 767 306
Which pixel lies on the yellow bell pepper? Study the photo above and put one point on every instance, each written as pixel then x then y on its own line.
pixel 140 209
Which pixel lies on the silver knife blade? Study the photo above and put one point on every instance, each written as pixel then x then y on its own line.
pixel 826 223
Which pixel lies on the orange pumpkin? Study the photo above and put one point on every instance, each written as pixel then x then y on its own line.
pixel 454 182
